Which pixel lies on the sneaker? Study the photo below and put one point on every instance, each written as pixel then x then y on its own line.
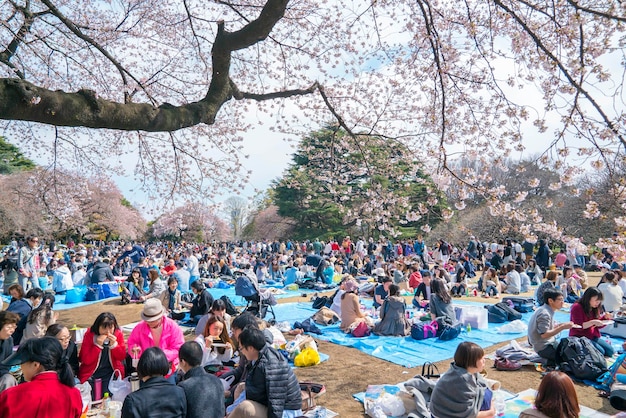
pixel 504 364
pixel 125 300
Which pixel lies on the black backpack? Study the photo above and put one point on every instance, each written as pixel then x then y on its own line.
pixel 578 356
pixel 495 314
pixel 512 314
pixel 230 306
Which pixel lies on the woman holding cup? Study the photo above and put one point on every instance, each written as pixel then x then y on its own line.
pixel 103 351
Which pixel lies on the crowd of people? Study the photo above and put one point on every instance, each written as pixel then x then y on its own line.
pixel 262 383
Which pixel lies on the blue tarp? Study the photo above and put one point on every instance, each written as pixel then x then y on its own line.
pixel 59 303
pixel 407 352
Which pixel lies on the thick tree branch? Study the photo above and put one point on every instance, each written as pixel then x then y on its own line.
pixel 21 100
pixel 11 49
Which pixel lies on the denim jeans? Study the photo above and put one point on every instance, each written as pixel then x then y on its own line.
pixel 603 346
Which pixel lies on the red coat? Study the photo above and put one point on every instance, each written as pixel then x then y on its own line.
pixel 44 396
pixel 578 316
pixel 90 355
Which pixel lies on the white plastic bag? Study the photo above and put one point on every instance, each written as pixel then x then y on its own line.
pixel 119 388
pixel 85 394
pixel 387 404
pixel 514 327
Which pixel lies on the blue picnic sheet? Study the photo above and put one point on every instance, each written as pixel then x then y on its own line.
pixel 407 352
pixel 59 303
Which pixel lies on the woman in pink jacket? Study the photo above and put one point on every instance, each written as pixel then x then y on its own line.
pixel 156 330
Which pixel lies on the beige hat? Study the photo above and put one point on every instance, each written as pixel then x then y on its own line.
pixel 152 310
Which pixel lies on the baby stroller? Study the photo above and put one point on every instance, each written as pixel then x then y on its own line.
pixel 257 302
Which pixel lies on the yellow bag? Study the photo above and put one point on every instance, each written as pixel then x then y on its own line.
pixel 307 357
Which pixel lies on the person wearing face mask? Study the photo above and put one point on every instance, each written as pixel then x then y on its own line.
pixel 201 304
pixel 8 324
pixel 49 389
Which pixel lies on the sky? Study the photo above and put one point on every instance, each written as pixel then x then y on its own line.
pixel 270 154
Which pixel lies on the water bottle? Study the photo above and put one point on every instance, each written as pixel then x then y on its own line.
pixel 468 328
pixel 134 382
pixel 500 405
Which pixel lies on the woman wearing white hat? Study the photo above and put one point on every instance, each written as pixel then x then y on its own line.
pixel 156 330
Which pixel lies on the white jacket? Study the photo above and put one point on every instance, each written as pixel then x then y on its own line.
pixel 62 279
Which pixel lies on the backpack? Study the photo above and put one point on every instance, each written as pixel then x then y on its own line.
pixel 510 314
pixel 520 303
pixel 578 357
pixel 495 314
pixel 230 306
pixel 423 330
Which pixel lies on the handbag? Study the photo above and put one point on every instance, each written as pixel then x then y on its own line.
pixel 310 391
pixel 361 330
pixel 119 388
pixel 430 370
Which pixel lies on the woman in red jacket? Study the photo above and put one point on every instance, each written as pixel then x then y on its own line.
pixel 49 389
pixel 586 313
pixel 102 352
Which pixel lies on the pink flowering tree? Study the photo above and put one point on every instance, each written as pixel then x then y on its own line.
pixel 191 222
pixel 173 83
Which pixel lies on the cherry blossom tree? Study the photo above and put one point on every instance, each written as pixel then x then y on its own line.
pixel 191 222
pixel 266 223
pixel 171 82
pixel 62 204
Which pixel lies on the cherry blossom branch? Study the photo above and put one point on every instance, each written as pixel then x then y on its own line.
pixel 563 70
pixel 596 12
pixel 80 34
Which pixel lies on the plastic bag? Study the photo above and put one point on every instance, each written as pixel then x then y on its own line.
pixel 85 394
pixel 119 388
pixel 307 357
pixel 390 405
pixel 283 326
pixel 76 295
pixel 516 326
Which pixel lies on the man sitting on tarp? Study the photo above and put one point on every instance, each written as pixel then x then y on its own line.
pixel 542 331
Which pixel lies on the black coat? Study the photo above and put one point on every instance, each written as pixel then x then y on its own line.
pixel 204 393
pixel 201 304
pixel 272 383
pixel 6 349
pixel 71 353
pixel 156 398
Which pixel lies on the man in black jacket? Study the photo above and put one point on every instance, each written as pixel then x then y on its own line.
pixel 204 392
pixel 271 385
